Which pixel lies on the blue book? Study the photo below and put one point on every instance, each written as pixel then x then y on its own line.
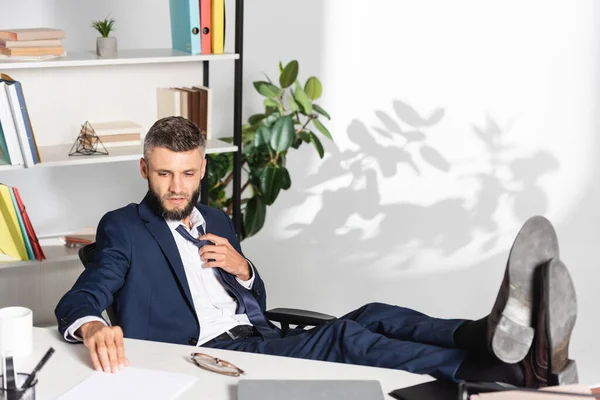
pixel 185 25
pixel 30 253
pixel 16 85
pixel 23 106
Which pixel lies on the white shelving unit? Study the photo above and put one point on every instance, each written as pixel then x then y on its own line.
pixel 95 88
pixel 58 156
pixel 124 57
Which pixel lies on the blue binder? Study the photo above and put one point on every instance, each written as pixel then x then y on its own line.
pixel 185 25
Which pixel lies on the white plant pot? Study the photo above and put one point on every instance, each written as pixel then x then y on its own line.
pixel 106 47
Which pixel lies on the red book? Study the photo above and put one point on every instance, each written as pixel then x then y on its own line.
pixel 35 244
pixel 205 26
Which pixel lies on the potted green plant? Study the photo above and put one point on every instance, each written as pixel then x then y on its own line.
pixel 106 45
pixel 290 119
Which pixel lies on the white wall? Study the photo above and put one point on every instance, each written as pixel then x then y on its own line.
pixel 425 224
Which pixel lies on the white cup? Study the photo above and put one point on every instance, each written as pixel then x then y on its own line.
pixel 16 331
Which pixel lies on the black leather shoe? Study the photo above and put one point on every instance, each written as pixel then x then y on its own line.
pixel 548 363
pixel 510 325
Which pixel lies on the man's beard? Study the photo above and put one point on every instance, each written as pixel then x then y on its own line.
pixel 176 214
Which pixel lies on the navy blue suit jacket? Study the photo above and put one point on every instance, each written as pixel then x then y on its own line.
pixel 138 269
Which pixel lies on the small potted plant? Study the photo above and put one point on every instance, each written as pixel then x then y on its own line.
pixel 106 45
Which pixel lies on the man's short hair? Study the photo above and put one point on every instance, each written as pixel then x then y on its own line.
pixel 174 133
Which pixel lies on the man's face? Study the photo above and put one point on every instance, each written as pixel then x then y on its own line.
pixel 174 180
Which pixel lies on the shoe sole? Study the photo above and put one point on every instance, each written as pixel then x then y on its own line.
pixel 561 315
pixel 511 326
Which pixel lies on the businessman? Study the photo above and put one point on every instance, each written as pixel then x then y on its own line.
pixel 174 272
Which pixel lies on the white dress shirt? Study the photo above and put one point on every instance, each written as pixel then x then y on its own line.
pixel 214 307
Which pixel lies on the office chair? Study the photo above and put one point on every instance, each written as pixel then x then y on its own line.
pixel 285 316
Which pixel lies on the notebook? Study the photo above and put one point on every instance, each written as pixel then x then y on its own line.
pixel 309 389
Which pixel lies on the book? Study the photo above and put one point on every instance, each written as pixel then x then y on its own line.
pixel 25 113
pixel 120 137
pixel 205 111
pixel 13 44
pixel 33 239
pixel 11 238
pixel 28 246
pixel 32 34
pixel 168 103
pixel 22 123
pixel 32 51
pixel 185 25
pixel 218 26
pixel 116 128
pixel 9 130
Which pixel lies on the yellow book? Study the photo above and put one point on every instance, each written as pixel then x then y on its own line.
pixel 11 237
pixel 218 26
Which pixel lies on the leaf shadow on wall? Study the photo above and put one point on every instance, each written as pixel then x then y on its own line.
pixel 354 225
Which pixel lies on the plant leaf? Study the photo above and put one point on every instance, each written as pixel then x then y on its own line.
pixel 271 181
pixel 256 118
pixel 289 74
pixel 286 180
pixel 255 215
pixel 282 134
pixel 293 104
pixel 322 129
pixel 303 100
pixel 313 88
pixel 305 136
pixel 321 111
pixel 267 89
pixel 263 136
pixel 317 143
pixel 272 118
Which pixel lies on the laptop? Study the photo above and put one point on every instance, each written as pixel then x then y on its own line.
pixel 257 389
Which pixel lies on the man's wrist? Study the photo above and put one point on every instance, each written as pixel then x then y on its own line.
pixel 83 329
pixel 247 275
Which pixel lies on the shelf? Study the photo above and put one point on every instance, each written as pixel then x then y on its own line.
pixel 53 253
pixel 58 156
pixel 124 57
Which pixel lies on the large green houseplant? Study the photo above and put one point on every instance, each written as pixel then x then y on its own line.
pixel 290 119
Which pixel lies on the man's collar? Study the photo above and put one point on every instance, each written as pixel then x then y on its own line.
pixel 196 220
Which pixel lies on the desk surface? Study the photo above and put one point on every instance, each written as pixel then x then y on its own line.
pixel 70 365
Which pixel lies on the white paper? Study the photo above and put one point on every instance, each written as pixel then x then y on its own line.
pixel 131 383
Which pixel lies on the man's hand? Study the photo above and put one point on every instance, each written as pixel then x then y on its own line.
pixel 224 256
pixel 106 346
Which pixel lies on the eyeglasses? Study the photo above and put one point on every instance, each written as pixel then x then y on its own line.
pixel 217 365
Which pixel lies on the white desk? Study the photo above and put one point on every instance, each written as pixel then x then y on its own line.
pixel 70 364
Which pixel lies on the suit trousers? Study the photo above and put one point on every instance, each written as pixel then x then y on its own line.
pixel 377 335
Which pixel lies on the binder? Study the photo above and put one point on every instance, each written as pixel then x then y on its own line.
pixel 28 247
pixel 205 23
pixel 218 26
pixel 33 239
pixel 9 130
pixel 22 121
pixel 11 238
pixel 185 25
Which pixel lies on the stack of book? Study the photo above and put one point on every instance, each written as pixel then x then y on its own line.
pixel 18 146
pixel 117 133
pixel 193 103
pixel 18 241
pixel 32 42
pixel 81 238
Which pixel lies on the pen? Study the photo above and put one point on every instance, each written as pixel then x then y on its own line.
pixel 37 369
